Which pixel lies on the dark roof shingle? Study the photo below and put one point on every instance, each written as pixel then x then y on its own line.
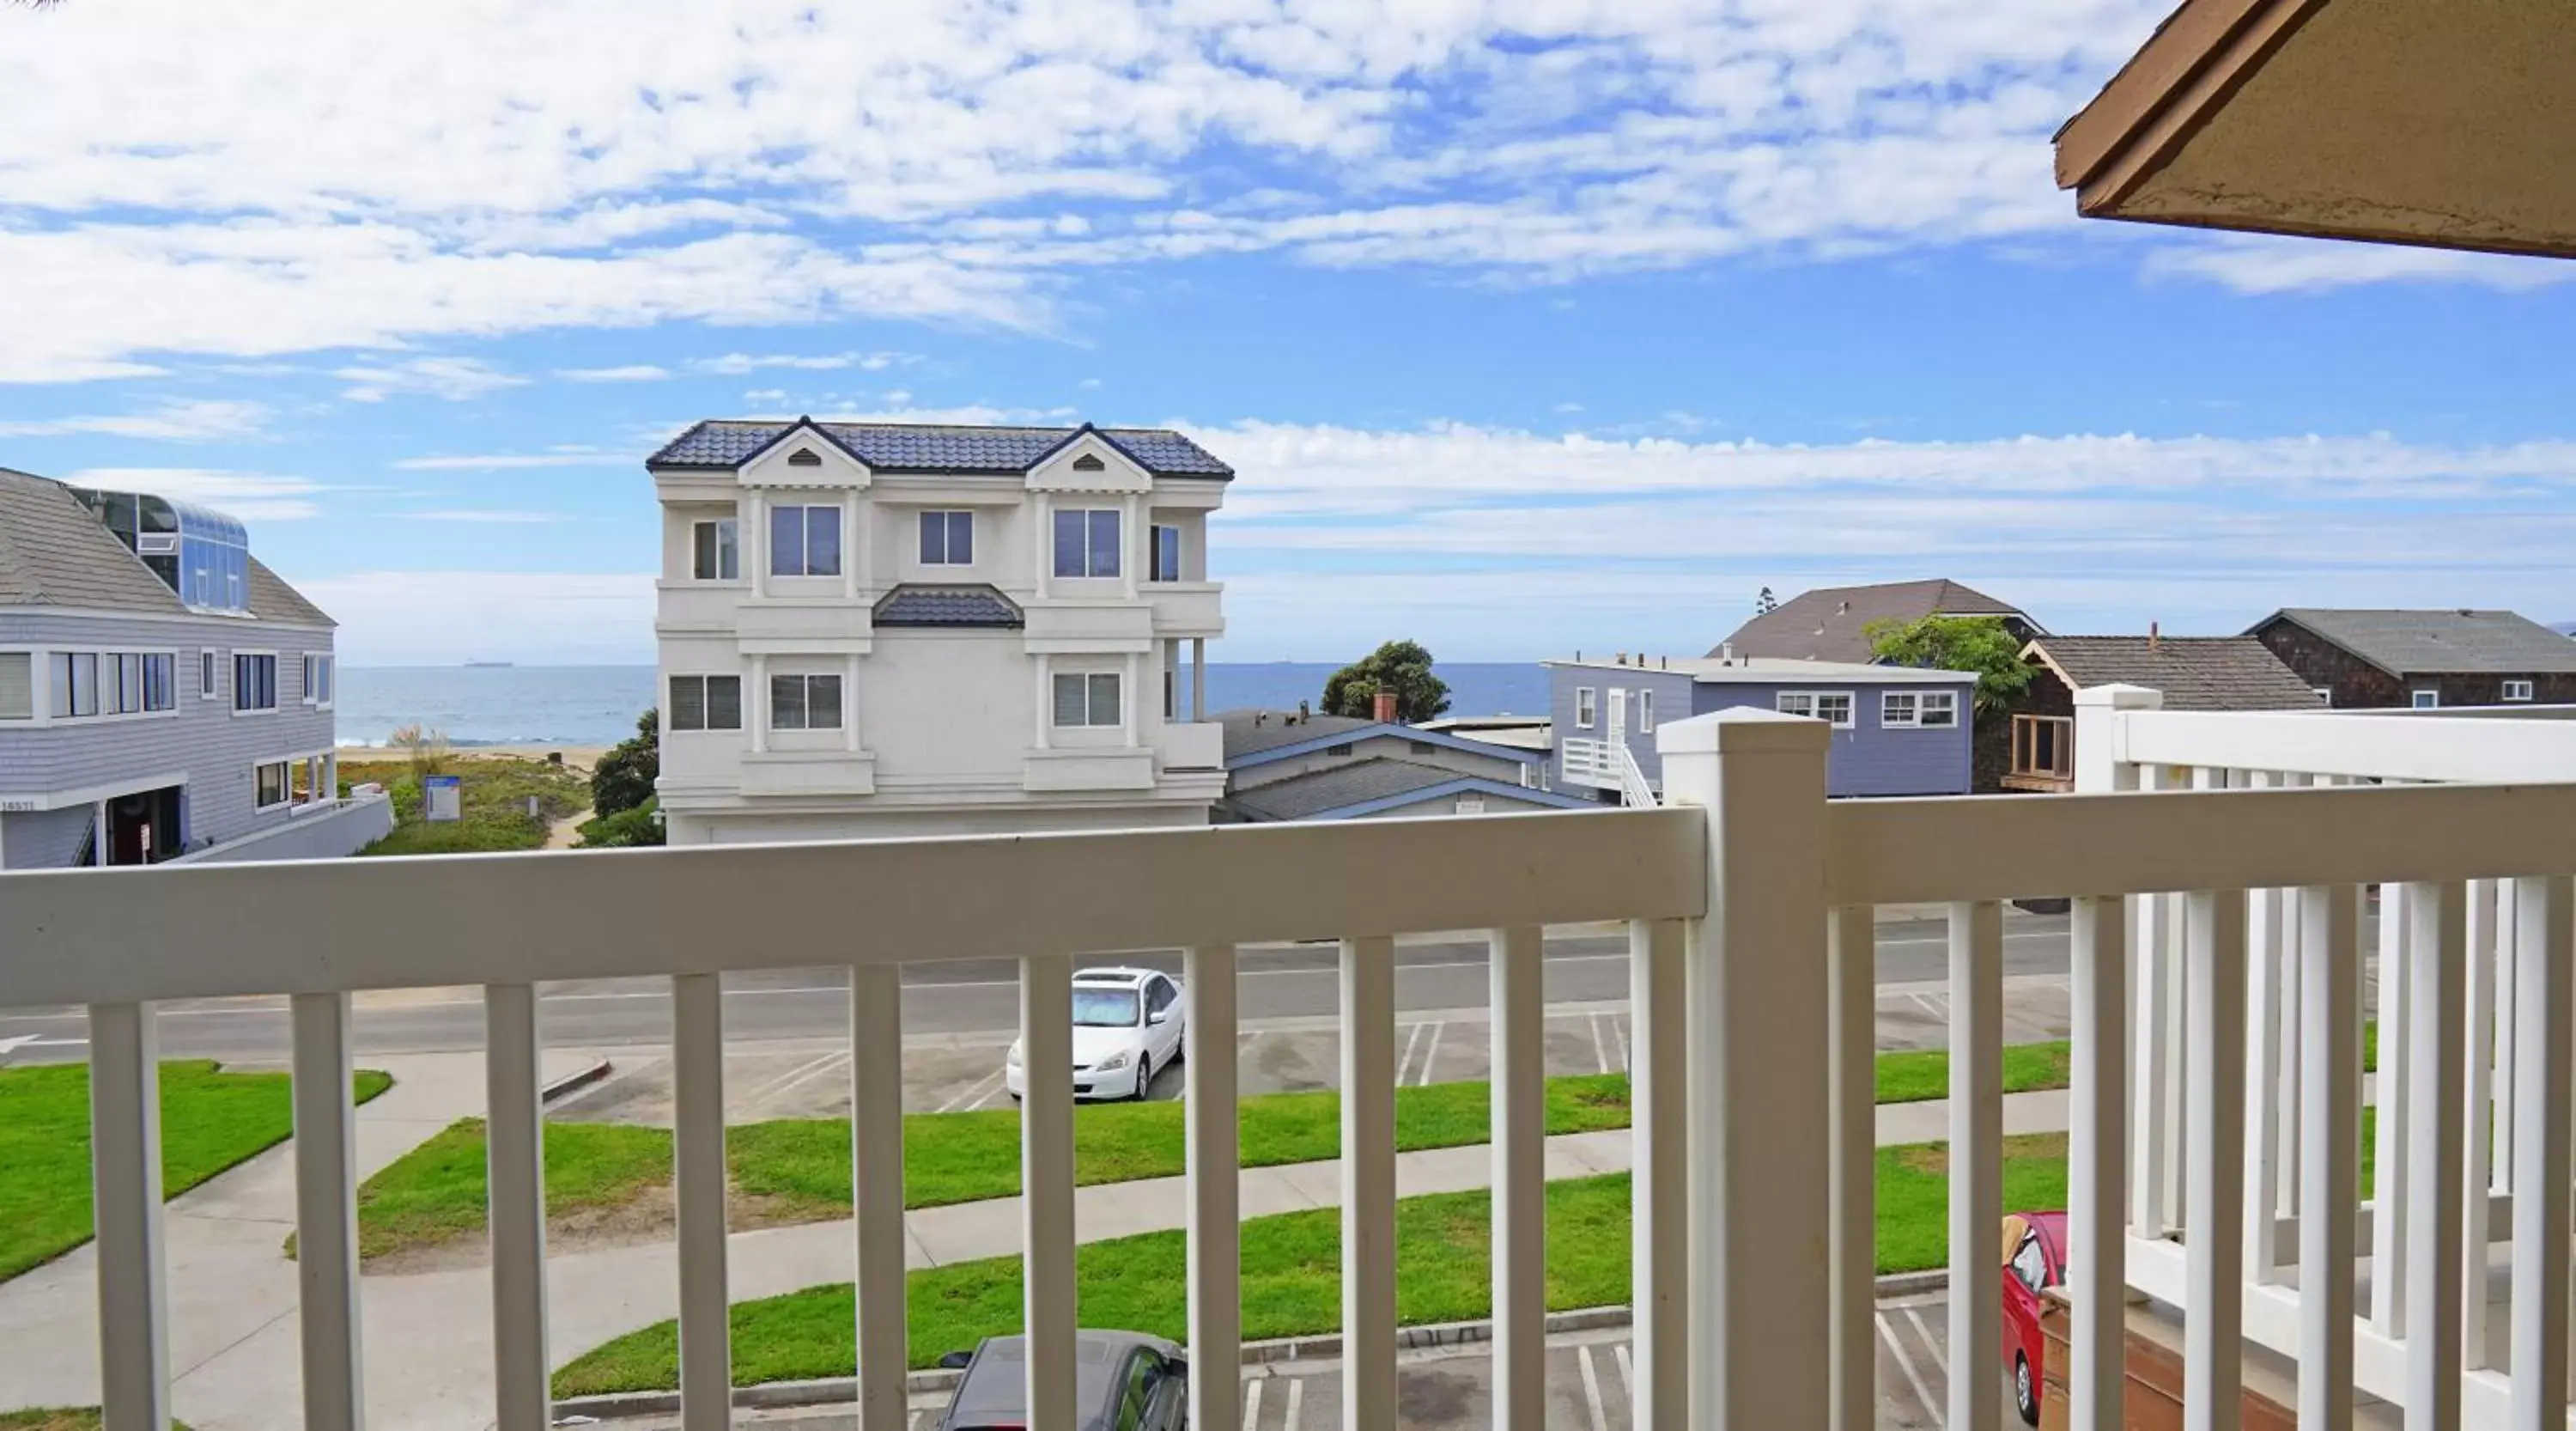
pixel 1301 796
pixel 919 604
pixel 1831 623
pixel 2443 642
pixel 921 447
pixel 2196 673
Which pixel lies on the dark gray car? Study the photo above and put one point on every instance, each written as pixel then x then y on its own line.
pixel 1122 1381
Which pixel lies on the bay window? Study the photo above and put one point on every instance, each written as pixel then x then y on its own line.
pixel 804 702
pixel 948 539
pixel 805 541
pixel 1086 698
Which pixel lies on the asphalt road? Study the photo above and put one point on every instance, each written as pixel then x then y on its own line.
pixel 968 996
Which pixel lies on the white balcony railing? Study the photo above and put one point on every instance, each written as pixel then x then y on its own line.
pixel 1585 761
pixel 1749 902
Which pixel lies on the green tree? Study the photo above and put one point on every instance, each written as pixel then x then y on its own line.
pixel 1982 644
pixel 623 830
pixel 623 779
pixel 1403 667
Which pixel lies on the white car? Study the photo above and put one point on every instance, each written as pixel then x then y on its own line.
pixel 1127 1025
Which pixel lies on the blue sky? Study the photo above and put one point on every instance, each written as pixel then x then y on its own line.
pixel 1528 326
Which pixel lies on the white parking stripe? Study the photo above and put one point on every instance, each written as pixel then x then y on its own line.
pixel 1296 1401
pixel 1600 1048
pixel 1936 1010
pixel 974 1093
pixel 1619 1026
pixel 1627 1375
pixel 1904 1363
pixel 1252 1402
pixel 1405 1059
pixel 1591 1389
pixel 1430 1051
pixel 791 1075
pixel 1940 1351
pixel 834 1064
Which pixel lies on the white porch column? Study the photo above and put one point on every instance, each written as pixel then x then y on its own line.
pixel 98 833
pixel 854 545
pixel 1760 1200
pixel 755 540
pixel 1198 678
pixel 850 704
pixel 1042 546
pixel 1131 540
pixel 1128 678
pixel 1045 702
pixel 755 704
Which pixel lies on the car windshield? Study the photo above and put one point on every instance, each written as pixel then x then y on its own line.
pixel 1104 1008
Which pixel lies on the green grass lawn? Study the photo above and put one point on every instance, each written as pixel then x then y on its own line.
pixel 210 1121
pixel 1291 1274
pixel 800 1168
pixel 60 1418
pixel 494 806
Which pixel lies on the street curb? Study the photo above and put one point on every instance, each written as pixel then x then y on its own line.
pixel 574 1082
pixel 1326 1346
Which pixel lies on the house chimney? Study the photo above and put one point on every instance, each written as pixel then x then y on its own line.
pixel 1726 653
pixel 1385 707
pixel 2155 638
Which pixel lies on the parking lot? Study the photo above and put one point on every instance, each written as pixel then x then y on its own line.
pixel 1590 1382
pixel 947 1073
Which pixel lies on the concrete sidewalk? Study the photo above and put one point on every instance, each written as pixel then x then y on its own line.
pixel 234 1360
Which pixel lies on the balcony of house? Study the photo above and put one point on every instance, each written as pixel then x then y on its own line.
pixel 809 772
pixel 1101 769
pixel 683 608
pixel 1088 626
pixel 1187 608
pixel 1186 745
pixel 821 623
pixel 2218 867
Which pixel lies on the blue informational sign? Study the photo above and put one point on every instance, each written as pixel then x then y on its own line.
pixel 442 797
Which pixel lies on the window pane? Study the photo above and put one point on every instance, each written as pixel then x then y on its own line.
pixel 822 703
pixel 934 538
pixel 1068 543
pixel 728 551
pixel 822 541
pixel 787 702
pixel 688 703
pixel 1104 700
pixel 17 686
pixel 703 567
pixel 1167 554
pixel 1104 543
pixel 724 702
pixel 786 541
pixel 84 683
pixel 961 538
pixel 1069 700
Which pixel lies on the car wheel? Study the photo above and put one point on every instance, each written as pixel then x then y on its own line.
pixel 2025 1390
pixel 1144 1075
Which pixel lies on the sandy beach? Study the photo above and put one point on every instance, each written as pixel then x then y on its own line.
pixel 580 757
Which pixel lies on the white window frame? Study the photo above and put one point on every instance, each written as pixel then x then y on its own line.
pixel 2324 695
pixel 107 683
pixel 1470 804
pixel 1116 551
pixel 1090 700
pixel 285 786
pixel 36 694
pixel 670 723
pixel 2424 700
pixel 722 549
pixel 944 516
pixel 240 710
pixel 805 718
pixel 1899 710
pixel 805 541
pixel 1805 703
pixel 2517 691
pixel 1587 708
pixel 210 669
pixel 1643 708
pixel 1945 702
pixel 323 662
pixel 1155 569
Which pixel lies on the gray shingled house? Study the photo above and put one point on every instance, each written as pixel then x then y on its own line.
pixel 163 694
pixel 2194 673
pixel 2423 659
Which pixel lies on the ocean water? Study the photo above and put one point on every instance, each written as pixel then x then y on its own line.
pixel 597 705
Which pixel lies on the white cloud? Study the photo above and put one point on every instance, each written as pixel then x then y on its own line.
pixel 183 420
pixel 251 496
pixel 598 165
pixel 631 373
pixel 737 364
pixel 455 379
pixel 511 461
pixel 766 395
pixel 2254 263
pixel 481 516
pixel 442 617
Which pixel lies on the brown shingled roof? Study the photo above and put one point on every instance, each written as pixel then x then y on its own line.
pixel 2196 673
pixel 1827 624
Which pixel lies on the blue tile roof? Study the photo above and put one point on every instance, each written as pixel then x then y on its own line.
pixel 914 604
pixel 915 447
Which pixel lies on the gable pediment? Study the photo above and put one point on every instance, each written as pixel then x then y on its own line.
pixel 1088 462
pixel 803 457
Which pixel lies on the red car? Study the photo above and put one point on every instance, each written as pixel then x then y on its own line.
pixel 2034 1260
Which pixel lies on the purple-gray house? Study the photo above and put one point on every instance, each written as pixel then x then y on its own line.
pixel 1897 730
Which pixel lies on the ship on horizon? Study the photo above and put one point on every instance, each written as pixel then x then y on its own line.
pixel 489 665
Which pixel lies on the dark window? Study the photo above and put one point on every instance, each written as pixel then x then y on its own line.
pixel 805 702
pixel 254 683
pixel 1087 463
pixel 1337 750
pixel 714 556
pixel 1086 542
pixel 2043 746
pixel 1167 555
pixel 947 539
pixel 706 703
pixel 805 541
pixel 803 457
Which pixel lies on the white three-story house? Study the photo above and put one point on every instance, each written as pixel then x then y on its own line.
pixel 878 629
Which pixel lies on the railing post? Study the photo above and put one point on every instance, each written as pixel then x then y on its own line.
pixel 125 1171
pixel 2538 1339
pixel 1660 1190
pixel 1216 1200
pixel 2431 1247
pixel 876 1192
pixel 1760 1198
pixel 2102 767
pixel 1851 1045
pixel 515 1183
pixel 326 1215
pixel 2096 1155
